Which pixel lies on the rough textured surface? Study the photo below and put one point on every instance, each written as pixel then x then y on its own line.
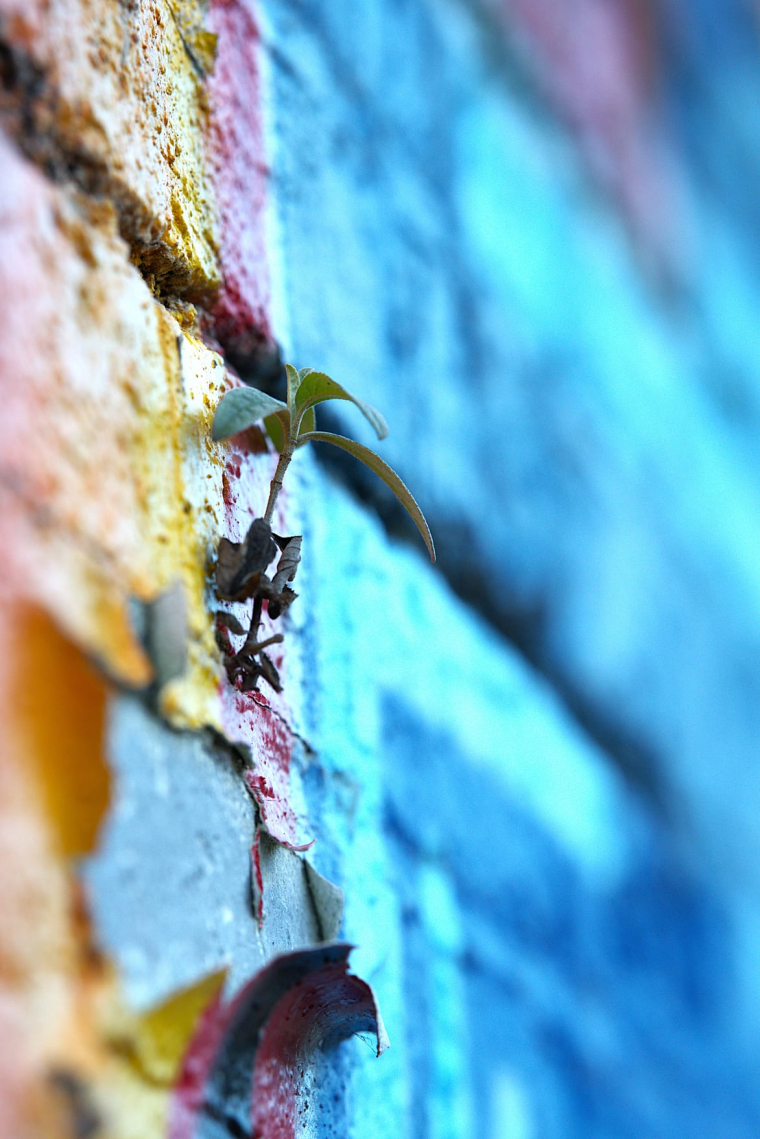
pixel 236 155
pixel 547 961
pixel 577 429
pixel 531 238
pixel 145 865
pixel 110 96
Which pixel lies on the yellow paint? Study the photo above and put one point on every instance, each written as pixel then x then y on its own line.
pixel 191 701
pixel 126 1062
pixel 121 486
pixel 114 643
pixel 134 1081
pixel 111 490
pixel 123 96
pixel 162 1036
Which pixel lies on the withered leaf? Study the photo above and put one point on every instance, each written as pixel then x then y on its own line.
pixel 240 575
pixel 252 671
pixel 288 563
pixel 269 672
pixel 230 621
pixel 278 605
pixel 240 565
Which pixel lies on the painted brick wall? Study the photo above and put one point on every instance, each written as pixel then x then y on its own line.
pixel 529 236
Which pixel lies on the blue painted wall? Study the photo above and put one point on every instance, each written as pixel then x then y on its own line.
pixel 533 768
pixel 540 795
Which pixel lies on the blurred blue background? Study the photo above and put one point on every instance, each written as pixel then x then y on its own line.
pixel 529 231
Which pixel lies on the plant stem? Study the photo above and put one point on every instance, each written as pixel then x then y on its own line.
pixel 253 632
pixel 276 484
pixel 277 639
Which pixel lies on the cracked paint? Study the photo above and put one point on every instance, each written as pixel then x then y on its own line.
pixel 126 432
pixel 113 498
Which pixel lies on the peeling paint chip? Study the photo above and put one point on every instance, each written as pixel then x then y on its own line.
pixel 250 1057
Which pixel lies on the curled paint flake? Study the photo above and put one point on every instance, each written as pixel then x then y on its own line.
pixel 250 1057
pixel 299 848
pixel 328 900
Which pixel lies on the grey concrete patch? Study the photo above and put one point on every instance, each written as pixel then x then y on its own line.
pixel 289 917
pixel 170 884
pixel 328 900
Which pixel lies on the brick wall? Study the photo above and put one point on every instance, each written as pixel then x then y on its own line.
pixel 529 237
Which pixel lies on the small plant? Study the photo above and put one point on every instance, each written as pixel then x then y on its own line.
pixel 241 566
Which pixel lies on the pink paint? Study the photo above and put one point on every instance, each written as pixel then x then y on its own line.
pixel 269 783
pixel 598 62
pixel 261 729
pixel 235 151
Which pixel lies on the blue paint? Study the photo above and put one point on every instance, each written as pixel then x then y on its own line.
pixel 521 978
pixel 585 995
pixel 575 430
pixel 542 798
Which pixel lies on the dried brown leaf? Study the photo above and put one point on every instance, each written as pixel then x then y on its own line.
pixel 288 563
pixel 240 565
pixel 279 605
pixel 230 621
pixel 269 672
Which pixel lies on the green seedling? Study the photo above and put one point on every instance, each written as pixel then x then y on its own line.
pixel 291 425
pixel 241 566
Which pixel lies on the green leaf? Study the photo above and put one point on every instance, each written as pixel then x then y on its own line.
pixel 304 372
pixel 240 408
pixel 294 380
pixel 308 421
pixel 277 426
pixel 316 387
pixel 383 471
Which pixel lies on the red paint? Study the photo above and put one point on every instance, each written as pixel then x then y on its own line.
pixel 223 638
pixel 235 149
pixel 272 1027
pixel 228 494
pixel 325 1004
pixel 257 878
pixel 269 780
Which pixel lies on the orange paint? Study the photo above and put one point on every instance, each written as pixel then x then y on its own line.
pixel 58 704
